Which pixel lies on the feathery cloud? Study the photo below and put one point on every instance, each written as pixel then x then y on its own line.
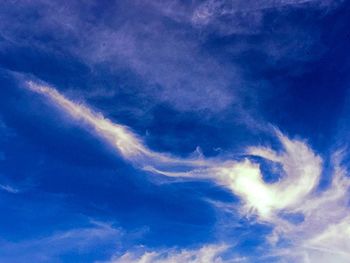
pixel 210 253
pixel 295 192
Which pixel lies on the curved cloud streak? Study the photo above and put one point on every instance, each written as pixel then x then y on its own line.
pixel 295 193
pixel 128 144
pixel 244 178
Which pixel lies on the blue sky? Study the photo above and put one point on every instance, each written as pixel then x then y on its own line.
pixel 210 131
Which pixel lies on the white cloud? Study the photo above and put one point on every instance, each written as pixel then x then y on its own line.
pixel 322 233
pixel 302 167
pixel 50 248
pixel 335 239
pixel 302 172
pixel 205 254
pixel 125 141
pixel 129 145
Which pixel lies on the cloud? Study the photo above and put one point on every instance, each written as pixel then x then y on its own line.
pixel 169 62
pixel 295 193
pixel 205 254
pixel 9 189
pixel 279 34
pixel 128 144
pixel 302 172
pixel 51 248
pixel 211 10
pixel 323 234
pixel 164 43
pixel 170 48
pixel 333 240
pixel 244 178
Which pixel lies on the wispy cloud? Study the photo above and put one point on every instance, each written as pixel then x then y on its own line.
pixel 51 248
pixel 168 57
pixel 170 63
pixel 210 253
pixel 209 11
pixel 323 235
pixel 129 145
pixel 222 57
pixel 295 192
pixel 9 189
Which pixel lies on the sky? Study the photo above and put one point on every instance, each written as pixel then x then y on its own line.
pixel 175 131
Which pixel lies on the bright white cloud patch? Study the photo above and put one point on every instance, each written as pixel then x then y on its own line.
pixel 302 172
pixel 324 232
